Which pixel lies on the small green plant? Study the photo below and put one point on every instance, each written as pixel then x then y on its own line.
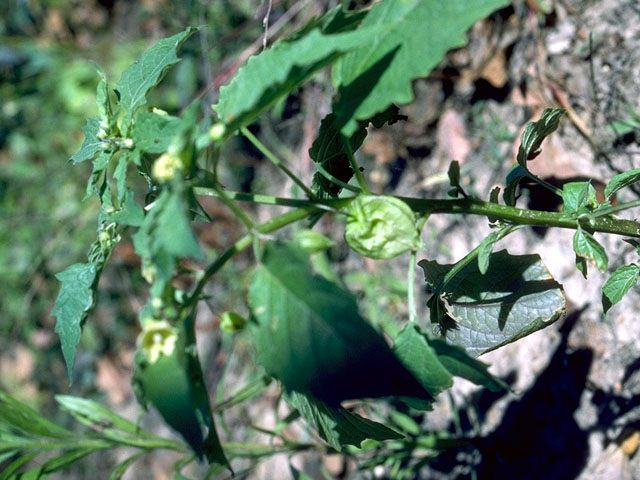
pixel 306 328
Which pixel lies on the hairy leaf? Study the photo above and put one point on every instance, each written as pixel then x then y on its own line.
pixel 146 73
pixel 380 73
pixel 514 298
pixel 308 334
pixel 337 426
pixel 622 180
pixel 280 69
pixel 92 144
pixel 585 245
pixel 618 284
pixel 72 306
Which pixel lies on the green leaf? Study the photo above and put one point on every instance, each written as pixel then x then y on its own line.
pixel 19 416
pixel 485 248
pixel 102 96
pixel 147 72
pixel 168 375
pixel 63 460
pixel 515 175
pixel 585 245
pixel 94 185
pixel 535 132
pixel 514 298
pixel 380 73
pixel 381 227
pixel 618 284
pixel 72 306
pixel 153 133
pixel 308 334
pixel 9 471
pixel 121 468
pixel 456 360
pixel 91 145
pixel 415 353
pixel 329 151
pixel 622 180
pixel 574 196
pixel 280 69
pixel 91 413
pixel 337 426
pixel 130 213
pixel 165 236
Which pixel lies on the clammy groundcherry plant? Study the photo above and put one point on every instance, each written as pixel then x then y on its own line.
pixel 307 331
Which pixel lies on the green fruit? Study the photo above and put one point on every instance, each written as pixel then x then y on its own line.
pixel 381 227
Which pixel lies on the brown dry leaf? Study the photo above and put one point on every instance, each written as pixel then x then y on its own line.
pixel 452 136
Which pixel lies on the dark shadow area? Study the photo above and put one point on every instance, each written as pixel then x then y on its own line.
pixel 538 437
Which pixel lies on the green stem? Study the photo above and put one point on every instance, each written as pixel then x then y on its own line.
pixel 356 169
pixel 616 208
pixel 411 300
pixel 237 211
pixel 335 180
pixel 276 161
pixel 246 241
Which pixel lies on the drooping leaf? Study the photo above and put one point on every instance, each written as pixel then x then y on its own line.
pixel 308 334
pixel 622 180
pixel 535 132
pixel 337 426
pixel 381 227
pixel 380 73
pixel 280 69
pixel 585 245
pixel 415 353
pixel 618 284
pixel 514 298
pixel 72 306
pixel 151 66
pixel 91 145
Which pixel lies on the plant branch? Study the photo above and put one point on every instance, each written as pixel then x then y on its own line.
pixel 276 161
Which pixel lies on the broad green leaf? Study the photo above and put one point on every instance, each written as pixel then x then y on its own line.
pixel 129 213
pixel 622 180
pixel 381 227
pixel 168 376
pixel 165 236
pixel 514 298
pixel 535 132
pixel 151 66
pixel 94 185
pixel 380 73
pixel 308 334
pixel 280 69
pixel 574 196
pixel 120 176
pixel 618 284
pixel 415 353
pixel 585 245
pixel 337 426
pixel 456 360
pixel 92 144
pixel 329 150
pixel 72 306
pixel 102 96
pixel 153 133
